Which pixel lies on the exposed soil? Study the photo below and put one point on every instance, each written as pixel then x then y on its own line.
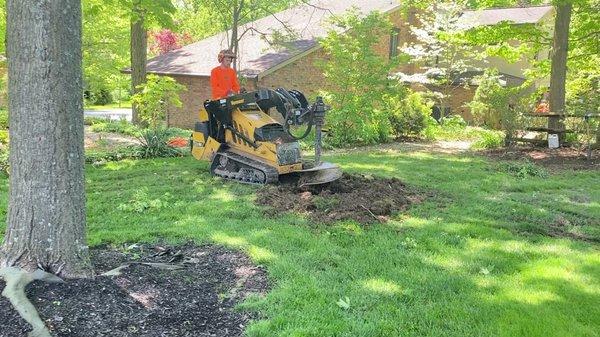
pixel 564 158
pixel 362 198
pixel 196 300
pixel 106 140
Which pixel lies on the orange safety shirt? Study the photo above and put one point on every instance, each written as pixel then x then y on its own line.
pixel 223 81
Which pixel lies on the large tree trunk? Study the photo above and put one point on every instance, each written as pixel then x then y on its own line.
pixel 46 211
pixel 139 52
pixel 558 76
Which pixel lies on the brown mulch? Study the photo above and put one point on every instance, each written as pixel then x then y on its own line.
pixel 196 301
pixel 362 198
pixel 563 158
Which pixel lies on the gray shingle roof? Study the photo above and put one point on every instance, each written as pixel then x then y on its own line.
pixel 310 23
pixel 521 15
pixel 256 54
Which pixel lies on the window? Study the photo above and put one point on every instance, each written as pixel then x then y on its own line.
pixel 394 42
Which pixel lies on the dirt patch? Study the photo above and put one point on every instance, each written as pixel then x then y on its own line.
pixel 106 140
pixel 362 198
pixel 564 158
pixel 196 300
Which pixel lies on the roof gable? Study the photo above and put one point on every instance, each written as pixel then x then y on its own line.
pixel 256 55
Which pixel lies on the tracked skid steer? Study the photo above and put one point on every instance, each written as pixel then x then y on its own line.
pixel 243 142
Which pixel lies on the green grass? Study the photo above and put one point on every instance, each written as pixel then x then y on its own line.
pixel 474 260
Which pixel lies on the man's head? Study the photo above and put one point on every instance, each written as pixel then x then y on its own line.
pixel 225 57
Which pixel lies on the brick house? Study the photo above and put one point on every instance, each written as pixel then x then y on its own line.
pixel 260 64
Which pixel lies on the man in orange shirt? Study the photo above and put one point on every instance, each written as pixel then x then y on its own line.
pixel 223 78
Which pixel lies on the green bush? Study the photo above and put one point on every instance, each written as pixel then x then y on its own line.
pixel 4 160
pixel 358 78
pixel 123 127
pixel 350 125
pixel 455 122
pixel 489 140
pixel 408 115
pixel 154 144
pixel 498 106
pixel 3 119
pixel 155 97
pixel 453 128
pixel 3 137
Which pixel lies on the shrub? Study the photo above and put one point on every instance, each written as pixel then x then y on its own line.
pixel 3 119
pixel 4 165
pixel 455 122
pixel 155 144
pixel 357 78
pixel 489 140
pixel 122 127
pixel 408 115
pixel 499 107
pixel 155 97
pixel 3 137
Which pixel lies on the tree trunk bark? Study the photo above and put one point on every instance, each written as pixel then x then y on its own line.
pixel 46 210
pixel 558 75
pixel 139 51
pixel 234 43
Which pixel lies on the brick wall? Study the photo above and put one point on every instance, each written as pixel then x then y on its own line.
pixel 305 75
pixel 198 90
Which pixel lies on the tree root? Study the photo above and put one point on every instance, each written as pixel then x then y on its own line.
pixel 164 266
pixel 16 280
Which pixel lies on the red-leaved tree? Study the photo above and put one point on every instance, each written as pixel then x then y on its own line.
pixel 165 40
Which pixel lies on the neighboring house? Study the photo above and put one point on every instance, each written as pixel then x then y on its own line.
pixel 263 65
pixel 463 88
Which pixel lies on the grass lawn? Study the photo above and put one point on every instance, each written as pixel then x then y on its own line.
pixel 475 260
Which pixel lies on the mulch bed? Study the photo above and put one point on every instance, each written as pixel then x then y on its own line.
pixel 564 158
pixel 362 198
pixel 197 300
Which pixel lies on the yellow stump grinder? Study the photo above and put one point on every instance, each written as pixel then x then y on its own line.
pixel 242 142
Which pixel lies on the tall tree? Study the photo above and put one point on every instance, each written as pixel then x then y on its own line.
pixel 144 13
pixel 139 51
pixel 46 211
pixel 441 51
pixel 232 14
pixel 558 74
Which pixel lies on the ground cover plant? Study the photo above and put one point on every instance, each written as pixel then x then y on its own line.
pixel 490 254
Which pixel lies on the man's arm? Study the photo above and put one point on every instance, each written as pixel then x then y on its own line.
pixel 235 86
pixel 214 82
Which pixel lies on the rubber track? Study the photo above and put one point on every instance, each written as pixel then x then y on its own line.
pixel 271 174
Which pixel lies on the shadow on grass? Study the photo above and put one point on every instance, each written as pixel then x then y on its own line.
pixel 451 266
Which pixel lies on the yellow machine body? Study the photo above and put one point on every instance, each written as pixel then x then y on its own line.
pixel 246 122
